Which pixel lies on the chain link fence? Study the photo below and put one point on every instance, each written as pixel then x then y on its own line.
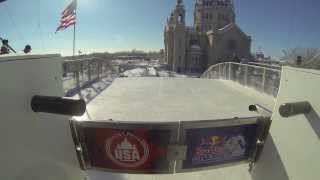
pixel 263 79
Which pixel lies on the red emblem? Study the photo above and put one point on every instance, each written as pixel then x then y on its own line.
pixel 127 150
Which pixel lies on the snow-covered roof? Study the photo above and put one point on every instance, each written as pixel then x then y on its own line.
pixel 227 27
pixel 232 26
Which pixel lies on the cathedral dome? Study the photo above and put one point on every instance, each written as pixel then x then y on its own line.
pixel 195 47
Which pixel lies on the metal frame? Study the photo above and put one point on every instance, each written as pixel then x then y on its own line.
pixel 216 123
pixel 263 122
pixel 78 147
pixel 82 151
pixel 263 111
pixel 177 148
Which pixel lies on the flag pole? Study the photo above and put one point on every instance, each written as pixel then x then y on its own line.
pixel 74 31
pixel 74 39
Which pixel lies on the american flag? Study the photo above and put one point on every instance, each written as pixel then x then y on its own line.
pixel 68 16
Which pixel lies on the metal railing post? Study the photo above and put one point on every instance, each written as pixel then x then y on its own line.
pixel 226 71
pixel 219 71
pixel 246 75
pixel 99 70
pixel 263 79
pixel 230 69
pixel 94 69
pixel 65 69
pixel 77 75
pixel 104 68
pixel 89 70
pixel 222 75
pixel 82 70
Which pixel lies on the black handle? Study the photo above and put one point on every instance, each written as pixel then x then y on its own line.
pixel 292 109
pixel 58 105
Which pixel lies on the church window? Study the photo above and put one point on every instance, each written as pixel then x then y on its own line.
pixel 180 19
pixel 223 17
pixel 208 3
pixel 194 41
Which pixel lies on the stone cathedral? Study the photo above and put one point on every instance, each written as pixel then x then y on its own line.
pixel 214 37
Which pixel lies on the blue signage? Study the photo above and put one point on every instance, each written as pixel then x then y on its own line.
pixel 215 146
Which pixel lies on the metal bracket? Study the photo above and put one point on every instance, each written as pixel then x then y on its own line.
pixel 78 148
pixel 256 154
pixel 177 152
pixel 260 110
pixel 265 124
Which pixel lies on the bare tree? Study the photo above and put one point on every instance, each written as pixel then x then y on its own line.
pixel 310 57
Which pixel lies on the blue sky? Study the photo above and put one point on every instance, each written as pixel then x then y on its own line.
pixel 115 25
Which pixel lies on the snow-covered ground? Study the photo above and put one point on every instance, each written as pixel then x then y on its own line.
pixel 92 91
pixel 140 72
pixel 126 68
pixel 142 68
pixel 153 72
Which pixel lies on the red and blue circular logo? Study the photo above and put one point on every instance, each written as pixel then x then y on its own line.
pixel 127 150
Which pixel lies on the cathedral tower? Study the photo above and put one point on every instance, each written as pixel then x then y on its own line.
pixel 213 14
pixel 175 38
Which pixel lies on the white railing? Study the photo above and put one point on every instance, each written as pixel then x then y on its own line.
pixel 79 73
pixel 263 79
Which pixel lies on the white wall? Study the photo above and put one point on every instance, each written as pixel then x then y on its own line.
pixel 33 146
pixel 292 150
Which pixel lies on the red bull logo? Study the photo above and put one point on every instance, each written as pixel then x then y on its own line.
pixel 127 150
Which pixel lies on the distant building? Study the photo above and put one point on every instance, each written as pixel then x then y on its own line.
pixel 260 57
pixel 214 38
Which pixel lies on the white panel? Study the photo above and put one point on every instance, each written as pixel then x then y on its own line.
pixel 293 150
pixel 33 146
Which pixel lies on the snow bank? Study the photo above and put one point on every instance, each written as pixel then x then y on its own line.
pixel 140 72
